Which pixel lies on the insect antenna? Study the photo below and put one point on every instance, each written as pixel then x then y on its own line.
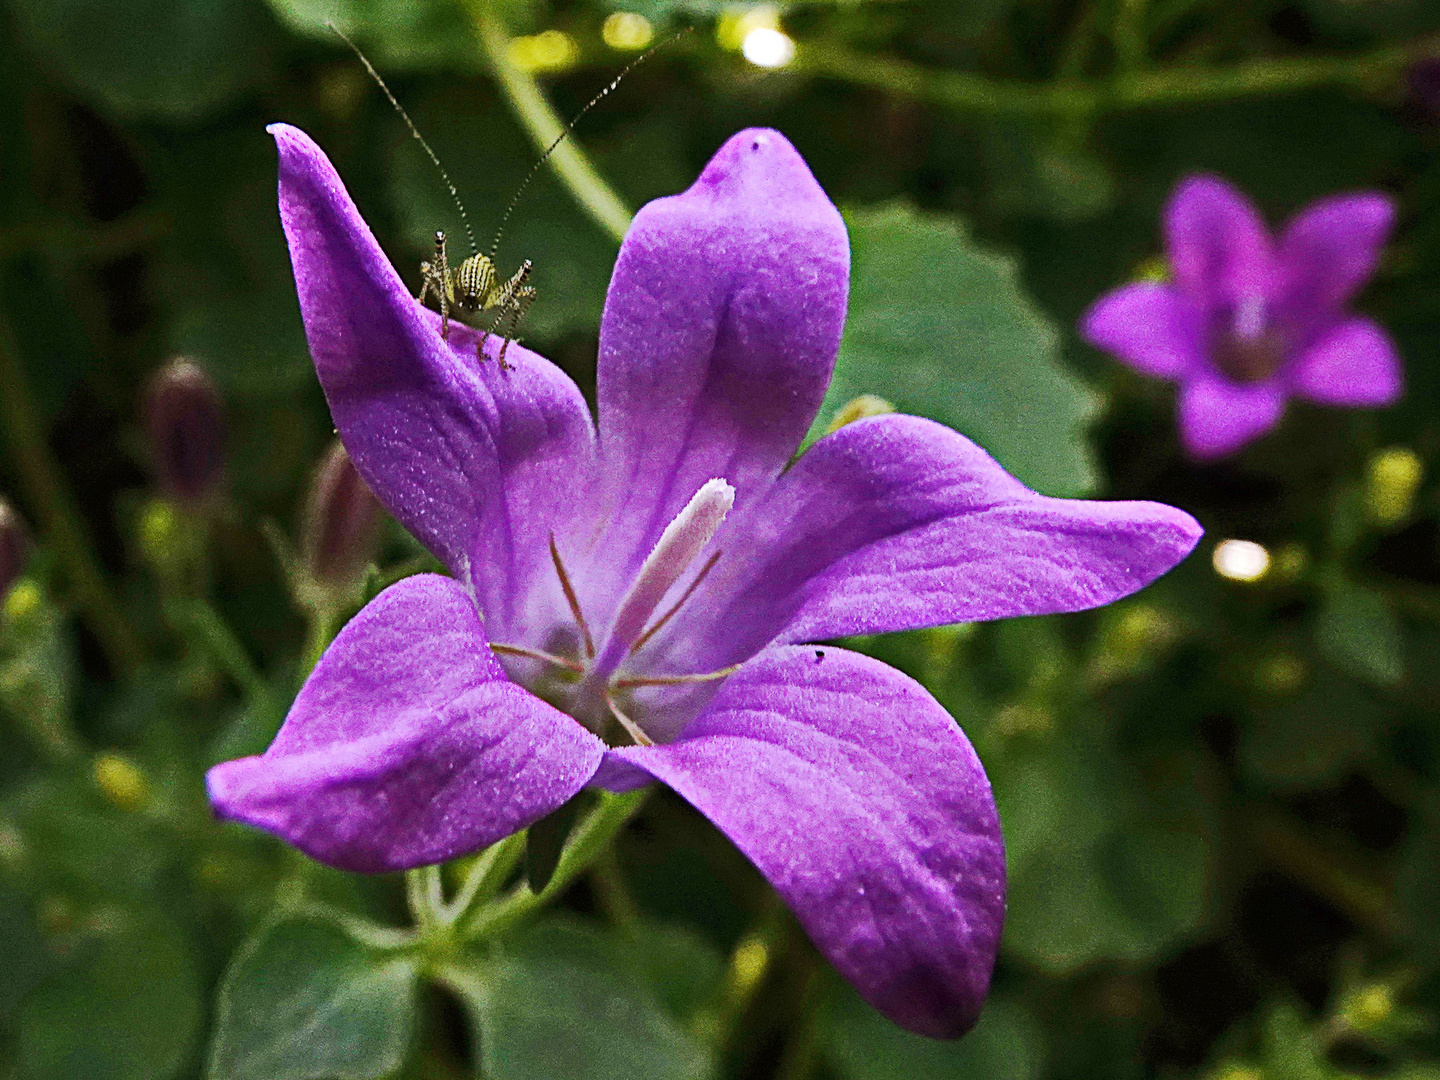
pixel 454 195
pixel 570 128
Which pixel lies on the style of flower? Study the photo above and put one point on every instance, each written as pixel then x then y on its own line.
pixel 655 584
pixel 1248 322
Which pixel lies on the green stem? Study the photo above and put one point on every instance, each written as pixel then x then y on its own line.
pixel 64 528
pixel 425 894
pixel 319 630
pixel 748 968
pixel 1350 888
pixel 486 875
pixel 1128 35
pixel 801 1057
pixel 587 841
pixel 210 630
pixel 544 125
pixel 969 93
pixel 612 893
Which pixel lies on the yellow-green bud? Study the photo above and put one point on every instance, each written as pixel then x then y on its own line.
pixel 121 781
pixel 22 602
pixel 1368 1007
pixel 1282 674
pixel 549 50
pixel 1391 481
pixel 860 408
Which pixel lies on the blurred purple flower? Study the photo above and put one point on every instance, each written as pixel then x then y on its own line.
pixel 1247 322
pixel 612 578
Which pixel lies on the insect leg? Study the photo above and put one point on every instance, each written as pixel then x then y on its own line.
pixel 519 305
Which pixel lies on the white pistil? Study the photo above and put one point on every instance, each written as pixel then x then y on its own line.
pixel 679 545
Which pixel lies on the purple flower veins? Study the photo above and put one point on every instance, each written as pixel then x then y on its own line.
pixel 629 604
pixel 1248 322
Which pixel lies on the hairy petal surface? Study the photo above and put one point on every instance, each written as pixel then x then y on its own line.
pixel 860 799
pixel 475 462
pixel 1219 247
pixel 1355 364
pixel 1148 325
pixel 720 332
pixel 1218 417
pixel 408 745
pixel 896 522
pixel 1330 249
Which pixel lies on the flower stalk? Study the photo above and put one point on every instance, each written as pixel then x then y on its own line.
pixel 544 125
pixel 63 527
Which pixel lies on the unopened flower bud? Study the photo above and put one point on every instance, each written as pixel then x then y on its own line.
pixel 340 530
pixel 185 420
pixel 860 408
pixel 14 546
pixel 121 781
pixel 1424 87
pixel 1391 481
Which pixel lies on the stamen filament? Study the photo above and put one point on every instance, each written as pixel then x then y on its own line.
pixel 538 654
pixel 674 680
pixel 634 730
pixel 689 590
pixel 571 598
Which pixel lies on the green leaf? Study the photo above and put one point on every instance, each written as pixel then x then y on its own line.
pixel 682 968
pixel 26 959
pixel 1007 1044
pixel 304 1000
pixel 942 327
pixel 1311 741
pixel 402 33
pixel 174 59
pixel 558 1003
pixel 1101 865
pixel 1357 631
pixel 127 1008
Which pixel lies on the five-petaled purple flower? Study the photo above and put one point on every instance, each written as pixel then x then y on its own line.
pixel 654 582
pixel 1248 322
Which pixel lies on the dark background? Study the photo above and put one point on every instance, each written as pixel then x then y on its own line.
pixel 1219 797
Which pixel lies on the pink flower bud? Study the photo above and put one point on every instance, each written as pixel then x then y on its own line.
pixel 14 546
pixel 185 420
pixel 340 529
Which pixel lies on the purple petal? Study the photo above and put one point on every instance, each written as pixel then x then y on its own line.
pixel 408 745
pixel 1330 250
pixel 1355 364
pixel 856 794
pixel 476 463
pixel 1149 326
pixel 897 522
pixel 720 332
pixel 1218 417
pixel 1219 246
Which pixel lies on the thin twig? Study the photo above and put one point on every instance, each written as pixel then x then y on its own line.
pixel 65 529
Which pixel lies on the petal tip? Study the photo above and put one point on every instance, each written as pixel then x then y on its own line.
pixel 759 160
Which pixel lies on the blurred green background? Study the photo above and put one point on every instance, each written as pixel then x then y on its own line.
pixel 1221 798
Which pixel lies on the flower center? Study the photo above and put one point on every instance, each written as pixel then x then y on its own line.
pixel 1249 349
pixel 593 701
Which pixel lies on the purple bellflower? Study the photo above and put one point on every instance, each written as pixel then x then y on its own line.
pixel 633 604
pixel 1249 321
